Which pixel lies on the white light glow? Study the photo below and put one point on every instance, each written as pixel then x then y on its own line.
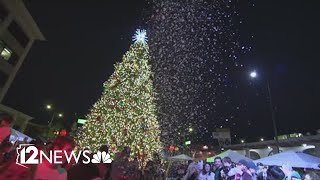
pixel 253 74
pixel 140 36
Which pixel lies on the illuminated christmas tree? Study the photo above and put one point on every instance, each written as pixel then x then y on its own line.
pixel 125 115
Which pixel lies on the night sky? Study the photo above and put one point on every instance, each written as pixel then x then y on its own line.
pixel 84 40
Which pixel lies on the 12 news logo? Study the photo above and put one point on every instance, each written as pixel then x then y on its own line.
pixel 36 156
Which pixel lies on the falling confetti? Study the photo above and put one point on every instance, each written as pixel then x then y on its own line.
pixel 194 44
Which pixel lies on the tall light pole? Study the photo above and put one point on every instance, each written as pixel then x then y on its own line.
pixel 60 115
pixel 254 75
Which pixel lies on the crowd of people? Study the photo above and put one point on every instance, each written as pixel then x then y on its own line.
pixel 121 167
pixel 125 168
pixel 226 169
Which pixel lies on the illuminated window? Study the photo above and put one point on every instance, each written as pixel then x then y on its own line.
pixel 6 53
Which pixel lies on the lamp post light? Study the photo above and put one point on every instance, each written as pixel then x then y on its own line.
pixel 60 115
pixel 48 106
pixel 254 75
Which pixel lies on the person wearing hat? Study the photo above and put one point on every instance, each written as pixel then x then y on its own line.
pixel 249 169
pixel 275 172
pixel 262 171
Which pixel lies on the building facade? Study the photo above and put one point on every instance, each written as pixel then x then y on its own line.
pixel 18 32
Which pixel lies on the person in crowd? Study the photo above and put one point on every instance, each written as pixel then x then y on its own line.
pixel 138 175
pixel 311 176
pixel 252 169
pixel 217 168
pixel 200 165
pixel 84 171
pixel 48 171
pixel 10 170
pixel 103 166
pixel 206 173
pixel 150 170
pixel 262 172
pixel 295 176
pixel 5 145
pixel 5 130
pixel 227 166
pixel 249 169
pixel 290 173
pixel 181 170
pixel 275 173
pixel 236 172
pixel 119 165
pixel 192 172
pixel 8 167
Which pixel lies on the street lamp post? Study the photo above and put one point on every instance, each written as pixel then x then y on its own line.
pixel 273 119
pixel 254 74
pixel 60 115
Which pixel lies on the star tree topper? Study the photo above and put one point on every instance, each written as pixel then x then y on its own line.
pixel 140 36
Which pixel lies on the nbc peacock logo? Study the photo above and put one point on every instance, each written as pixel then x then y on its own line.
pixel 101 157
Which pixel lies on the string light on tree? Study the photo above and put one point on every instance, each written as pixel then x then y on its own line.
pixel 125 115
